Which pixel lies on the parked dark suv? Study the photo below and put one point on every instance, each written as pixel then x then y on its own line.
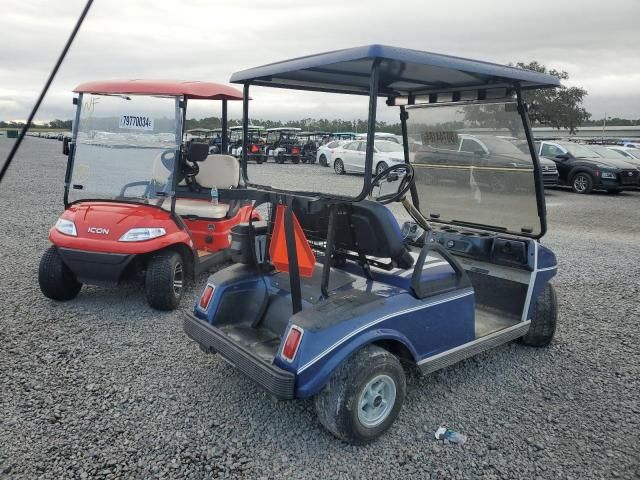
pixel 584 170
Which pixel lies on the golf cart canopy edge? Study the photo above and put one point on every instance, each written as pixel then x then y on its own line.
pixel 188 89
pixel 402 72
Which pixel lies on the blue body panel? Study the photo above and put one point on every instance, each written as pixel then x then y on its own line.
pixel 425 327
pixel 347 71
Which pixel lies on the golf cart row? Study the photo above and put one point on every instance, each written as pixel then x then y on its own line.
pixel 327 297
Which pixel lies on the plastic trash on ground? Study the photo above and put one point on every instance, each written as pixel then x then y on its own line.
pixel 450 436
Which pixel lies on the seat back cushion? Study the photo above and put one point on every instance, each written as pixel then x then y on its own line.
pixel 221 171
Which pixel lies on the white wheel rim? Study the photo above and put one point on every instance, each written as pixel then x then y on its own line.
pixel 376 401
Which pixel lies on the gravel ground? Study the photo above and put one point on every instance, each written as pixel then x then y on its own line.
pixel 105 387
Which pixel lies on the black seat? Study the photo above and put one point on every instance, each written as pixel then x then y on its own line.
pixel 366 227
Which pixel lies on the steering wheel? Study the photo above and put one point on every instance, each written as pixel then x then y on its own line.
pixel 393 174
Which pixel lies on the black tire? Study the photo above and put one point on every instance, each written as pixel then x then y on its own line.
pixel 543 319
pixel 381 167
pixel 338 403
pixel 165 280
pixel 259 160
pixel 280 159
pixel 56 280
pixel 614 191
pixel 295 160
pixel 582 183
pixel 338 167
pixel 323 160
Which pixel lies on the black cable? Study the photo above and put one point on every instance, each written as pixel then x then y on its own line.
pixel 52 75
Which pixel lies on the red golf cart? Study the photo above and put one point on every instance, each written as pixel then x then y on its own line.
pixel 138 200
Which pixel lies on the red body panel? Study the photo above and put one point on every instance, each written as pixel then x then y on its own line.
pixel 118 218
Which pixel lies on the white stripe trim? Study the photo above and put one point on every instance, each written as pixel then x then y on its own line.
pixel 532 281
pixel 546 269
pixel 376 321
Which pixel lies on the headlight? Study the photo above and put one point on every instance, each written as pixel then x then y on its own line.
pixel 66 227
pixel 142 234
pixel 609 175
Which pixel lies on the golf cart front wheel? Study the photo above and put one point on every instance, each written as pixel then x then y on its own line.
pixel 363 396
pixel 323 160
pixel 56 280
pixel 295 160
pixel 543 319
pixel 165 280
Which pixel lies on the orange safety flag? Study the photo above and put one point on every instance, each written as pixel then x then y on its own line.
pixel 278 247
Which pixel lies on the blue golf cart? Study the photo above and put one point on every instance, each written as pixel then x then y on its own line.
pixel 331 298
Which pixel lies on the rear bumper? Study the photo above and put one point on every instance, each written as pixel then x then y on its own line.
pixel 278 382
pixel 96 268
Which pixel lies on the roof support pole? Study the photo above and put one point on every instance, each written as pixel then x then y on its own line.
pixel 245 128
pixel 225 139
pixel 371 127
pixel 404 115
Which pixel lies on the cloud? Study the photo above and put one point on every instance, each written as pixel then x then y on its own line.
pixel 208 40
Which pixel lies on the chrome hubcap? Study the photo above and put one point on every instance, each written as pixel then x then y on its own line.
pixel 376 401
pixel 580 183
pixel 178 279
pixel 338 167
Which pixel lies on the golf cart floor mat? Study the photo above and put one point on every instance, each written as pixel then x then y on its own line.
pixel 491 320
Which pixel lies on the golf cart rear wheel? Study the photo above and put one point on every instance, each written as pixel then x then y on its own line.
pixel 295 160
pixel 543 319
pixel 582 182
pixel 259 160
pixel 280 158
pixel 56 280
pixel 323 160
pixel 363 396
pixel 338 167
pixel 165 280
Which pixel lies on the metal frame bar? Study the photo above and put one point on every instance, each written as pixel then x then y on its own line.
pixel 405 147
pixel 371 129
pixel 72 148
pixel 225 136
pixel 245 130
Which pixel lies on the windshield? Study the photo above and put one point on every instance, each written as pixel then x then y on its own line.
pixel 469 168
pixel 388 147
pixel 579 151
pixel 124 148
pixel 606 152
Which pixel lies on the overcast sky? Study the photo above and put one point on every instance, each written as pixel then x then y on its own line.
pixel 596 42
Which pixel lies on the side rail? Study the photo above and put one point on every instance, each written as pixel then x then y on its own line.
pixel 430 287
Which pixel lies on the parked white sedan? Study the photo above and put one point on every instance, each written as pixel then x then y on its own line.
pixel 324 155
pixel 349 158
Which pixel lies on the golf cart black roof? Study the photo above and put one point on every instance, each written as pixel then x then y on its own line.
pixel 402 72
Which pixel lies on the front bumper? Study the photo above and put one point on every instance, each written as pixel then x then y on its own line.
pixel 278 382
pixel 550 179
pixel 96 268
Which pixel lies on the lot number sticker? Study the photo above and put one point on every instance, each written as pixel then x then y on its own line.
pixel 137 122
